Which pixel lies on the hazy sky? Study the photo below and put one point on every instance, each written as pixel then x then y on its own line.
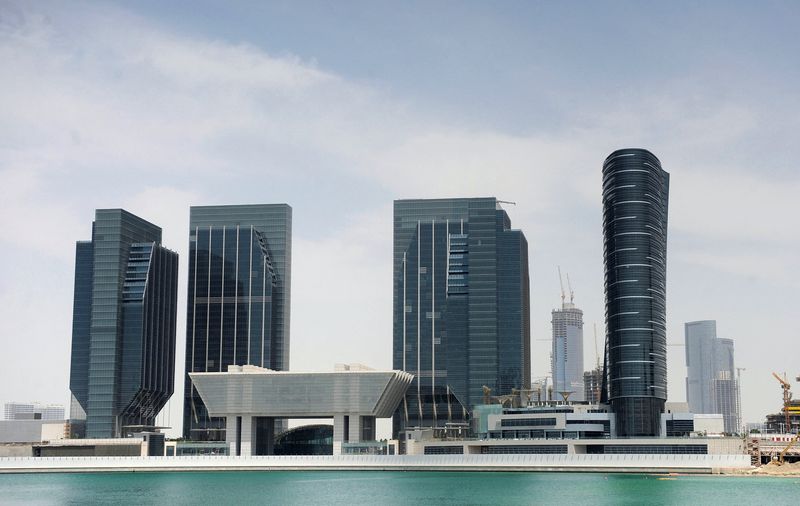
pixel 338 108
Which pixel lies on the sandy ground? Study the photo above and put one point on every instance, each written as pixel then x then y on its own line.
pixel 773 469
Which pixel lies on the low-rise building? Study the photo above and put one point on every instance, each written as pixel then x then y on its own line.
pixel 251 398
pixel 32 430
pixel 555 427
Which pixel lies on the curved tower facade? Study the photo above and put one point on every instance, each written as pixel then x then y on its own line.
pixel 635 198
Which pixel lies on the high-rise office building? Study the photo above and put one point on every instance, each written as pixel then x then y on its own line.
pixel 123 326
pixel 711 383
pixel 635 203
pixel 461 307
pixel 238 299
pixel 567 353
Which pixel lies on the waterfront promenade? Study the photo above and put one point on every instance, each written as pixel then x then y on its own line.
pixel 695 464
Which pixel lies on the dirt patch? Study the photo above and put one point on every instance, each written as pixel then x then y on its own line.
pixel 774 469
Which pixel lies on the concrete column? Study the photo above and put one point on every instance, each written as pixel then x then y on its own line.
pixel 339 435
pixel 230 434
pixel 248 436
pixel 355 429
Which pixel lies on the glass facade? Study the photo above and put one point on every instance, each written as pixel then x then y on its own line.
pixel 461 307
pixel 123 342
pixel 711 384
pixel 635 204
pixel 305 440
pixel 238 298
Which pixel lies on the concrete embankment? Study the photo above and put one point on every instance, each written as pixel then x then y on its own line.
pixel 693 464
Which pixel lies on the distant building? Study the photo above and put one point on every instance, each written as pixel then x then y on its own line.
pixel 711 384
pixel 33 411
pixel 592 383
pixel 32 430
pixel 635 202
pixel 567 353
pixel 240 259
pixel 461 307
pixel 123 328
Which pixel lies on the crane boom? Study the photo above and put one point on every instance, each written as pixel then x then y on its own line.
pixel 788 447
pixel 783 381
pixel 561 282
pixel 787 397
pixel 571 293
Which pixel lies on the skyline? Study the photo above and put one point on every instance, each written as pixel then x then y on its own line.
pixel 99 93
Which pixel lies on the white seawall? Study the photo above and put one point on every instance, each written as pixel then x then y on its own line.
pixel 702 464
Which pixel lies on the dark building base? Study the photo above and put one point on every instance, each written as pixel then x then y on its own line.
pixel 637 416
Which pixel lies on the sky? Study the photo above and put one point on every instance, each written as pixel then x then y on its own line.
pixel 338 108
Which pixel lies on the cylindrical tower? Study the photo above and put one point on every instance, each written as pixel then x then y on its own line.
pixel 635 197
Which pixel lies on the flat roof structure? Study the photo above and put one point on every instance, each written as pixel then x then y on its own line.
pixel 251 397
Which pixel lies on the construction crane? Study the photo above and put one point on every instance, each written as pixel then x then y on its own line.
pixel 788 447
pixel 561 282
pixel 787 398
pixel 596 353
pixel 571 293
pixel 739 395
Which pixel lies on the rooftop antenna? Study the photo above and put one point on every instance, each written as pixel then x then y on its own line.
pixel 571 293
pixel 561 282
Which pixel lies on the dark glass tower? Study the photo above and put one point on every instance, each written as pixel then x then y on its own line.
pixel 635 197
pixel 123 329
pixel 461 307
pixel 238 299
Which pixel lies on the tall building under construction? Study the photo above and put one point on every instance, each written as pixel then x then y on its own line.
pixel 567 353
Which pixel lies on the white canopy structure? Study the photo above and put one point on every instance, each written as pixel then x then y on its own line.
pixel 251 397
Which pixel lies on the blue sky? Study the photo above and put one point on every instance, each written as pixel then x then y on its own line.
pixel 338 108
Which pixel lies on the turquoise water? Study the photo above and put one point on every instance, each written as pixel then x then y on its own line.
pixel 389 488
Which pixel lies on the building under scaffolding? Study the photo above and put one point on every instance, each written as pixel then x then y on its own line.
pixel 592 383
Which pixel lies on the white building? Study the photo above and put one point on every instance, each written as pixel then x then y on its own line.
pixel 567 354
pixel 33 411
pixel 251 398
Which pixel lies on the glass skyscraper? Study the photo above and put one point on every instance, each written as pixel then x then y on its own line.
pixel 123 329
pixel 711 383
pixel 635 203
pixel 461 307
pixel 238 298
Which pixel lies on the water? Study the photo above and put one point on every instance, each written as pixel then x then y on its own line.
pixel 389 488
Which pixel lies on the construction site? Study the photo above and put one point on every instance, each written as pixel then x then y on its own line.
pixel 779 446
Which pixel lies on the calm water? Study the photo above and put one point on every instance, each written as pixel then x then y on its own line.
pixel 388 488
